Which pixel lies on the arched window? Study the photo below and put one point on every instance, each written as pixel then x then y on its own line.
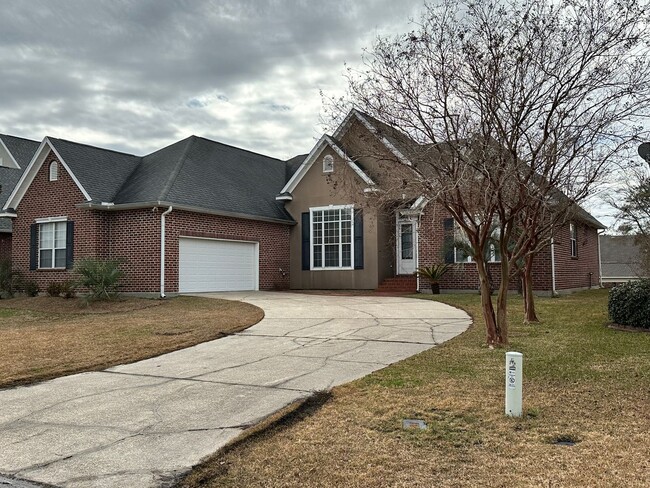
pixel 54 171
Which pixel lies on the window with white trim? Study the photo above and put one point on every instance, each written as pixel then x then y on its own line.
pixel 331 237
pixel 463 248
pixel 328 164
pixel 573 233
pixel 54 171
pixel 52 245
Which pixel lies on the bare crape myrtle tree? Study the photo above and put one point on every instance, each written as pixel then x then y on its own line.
pixel 515 112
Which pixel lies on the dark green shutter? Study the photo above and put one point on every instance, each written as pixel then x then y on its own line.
pixel 358 240
pixel 69 244
pixel 33 246
pixel 306 257
pixel 448 243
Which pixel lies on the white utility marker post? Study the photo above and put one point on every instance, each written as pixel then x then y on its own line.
pixel 514 377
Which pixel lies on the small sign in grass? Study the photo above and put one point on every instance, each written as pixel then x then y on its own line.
pixel 414 424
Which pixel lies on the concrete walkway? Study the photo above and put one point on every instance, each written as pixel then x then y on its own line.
pixel 143 424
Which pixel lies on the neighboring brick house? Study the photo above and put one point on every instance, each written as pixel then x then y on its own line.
pixel 203 216
pixel 15 155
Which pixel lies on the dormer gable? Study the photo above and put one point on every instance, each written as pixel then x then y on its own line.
pixel 40 157
pixel 326 164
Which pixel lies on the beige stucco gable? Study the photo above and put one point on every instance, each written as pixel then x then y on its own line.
pixel 342 186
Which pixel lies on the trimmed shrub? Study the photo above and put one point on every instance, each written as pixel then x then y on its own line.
pixel 100 277
pixel 65 289
pixel 30 288
pixel 9 279
pixel 54 289
pixel 68 289
pixel 629 304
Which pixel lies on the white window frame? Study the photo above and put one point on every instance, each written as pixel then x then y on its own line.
pixel 573 240
pixel 328 163
pixel 54 170
pixel 52 221
pixel 468 259
pixel 340 244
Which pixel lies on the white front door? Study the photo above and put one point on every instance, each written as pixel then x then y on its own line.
pixel 406 247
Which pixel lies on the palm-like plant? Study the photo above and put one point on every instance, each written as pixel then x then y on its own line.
pixel 433 274
pixel 100 277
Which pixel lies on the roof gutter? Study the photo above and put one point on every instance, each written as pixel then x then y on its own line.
pixel 162 251
pixel 110 206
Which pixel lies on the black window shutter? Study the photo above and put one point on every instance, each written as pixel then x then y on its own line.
pixel 358 240
pixel 33 247
pixel 306 257
pixel 69 244
pixel 448 243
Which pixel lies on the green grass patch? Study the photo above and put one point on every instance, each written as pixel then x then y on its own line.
pixel 586 413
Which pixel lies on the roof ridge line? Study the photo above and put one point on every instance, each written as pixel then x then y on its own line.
pixel 94 147
pixel 174 174
pixel 19 137
pixel 236 147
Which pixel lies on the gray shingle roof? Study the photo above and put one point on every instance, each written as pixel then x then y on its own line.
pixel 8 179
pixel 194 172
pixel 412 150
pixel 21 149
pixel 101 172
pixel 293 164
pixel 201 173
pixel 620 257
pixel 149 180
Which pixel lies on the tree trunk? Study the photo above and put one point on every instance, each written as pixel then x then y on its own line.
pixel 494 330
pixel 502 303
pixel 530 315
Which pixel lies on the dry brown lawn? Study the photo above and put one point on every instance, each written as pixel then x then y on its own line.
pixel 582 382
pixel 45 337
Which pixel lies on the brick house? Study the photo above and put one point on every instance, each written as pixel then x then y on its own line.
pixel 199 215
pixel 622 259
pixel 15 155
pixel 387 248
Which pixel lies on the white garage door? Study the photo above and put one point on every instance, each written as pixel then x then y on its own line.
pixel 217 265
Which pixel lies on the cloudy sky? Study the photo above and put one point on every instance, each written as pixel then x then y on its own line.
pixel 136 75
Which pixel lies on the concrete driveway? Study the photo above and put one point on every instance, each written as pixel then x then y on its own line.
pixel 143 424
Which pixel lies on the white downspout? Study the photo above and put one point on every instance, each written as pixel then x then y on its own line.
pixel 553 292
pixel 417 253
pixel 162 251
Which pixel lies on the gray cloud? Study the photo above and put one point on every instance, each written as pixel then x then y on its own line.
pixel 138 74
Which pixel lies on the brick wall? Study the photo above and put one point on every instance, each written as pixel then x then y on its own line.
pixel 5 246
pixel 572 273
pixel 134 236
pixel 46 198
